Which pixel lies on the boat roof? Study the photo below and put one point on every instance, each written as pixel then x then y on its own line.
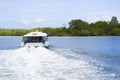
pixel 36 34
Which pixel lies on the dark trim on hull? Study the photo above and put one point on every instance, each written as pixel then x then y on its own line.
pixel 39 46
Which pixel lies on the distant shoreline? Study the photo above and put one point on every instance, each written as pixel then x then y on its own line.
pixel 76 27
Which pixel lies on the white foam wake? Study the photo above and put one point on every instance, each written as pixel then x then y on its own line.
pixel 43 64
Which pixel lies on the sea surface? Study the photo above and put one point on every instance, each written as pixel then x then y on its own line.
pixel 68 58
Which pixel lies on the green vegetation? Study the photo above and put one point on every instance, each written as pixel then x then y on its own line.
pixel 76 27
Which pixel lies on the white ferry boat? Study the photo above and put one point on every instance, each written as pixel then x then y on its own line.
pixel 35 39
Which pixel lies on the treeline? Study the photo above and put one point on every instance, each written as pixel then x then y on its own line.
pixel 99 28
pixel 76 27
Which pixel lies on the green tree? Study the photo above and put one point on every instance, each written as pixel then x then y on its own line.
pixel 97 32
pixel 78 24
pixel 84 33
pixel 113 21
pixel 100 26
pixel 116 31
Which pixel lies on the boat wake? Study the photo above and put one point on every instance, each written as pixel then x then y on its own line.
pixel 60 64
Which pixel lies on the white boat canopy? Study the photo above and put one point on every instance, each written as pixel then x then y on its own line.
pixel 35 34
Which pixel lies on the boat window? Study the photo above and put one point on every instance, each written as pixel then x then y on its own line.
pixel 36 39
pixel 33 39
pixel 26 39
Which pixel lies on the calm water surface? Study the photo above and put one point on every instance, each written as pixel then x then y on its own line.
pixel 69 58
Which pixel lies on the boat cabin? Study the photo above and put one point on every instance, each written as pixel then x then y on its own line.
pixel 36 39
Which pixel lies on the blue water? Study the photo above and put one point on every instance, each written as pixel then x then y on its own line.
pixel 101 53
pixel 106 48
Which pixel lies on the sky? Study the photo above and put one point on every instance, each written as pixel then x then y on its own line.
pixel 27 14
